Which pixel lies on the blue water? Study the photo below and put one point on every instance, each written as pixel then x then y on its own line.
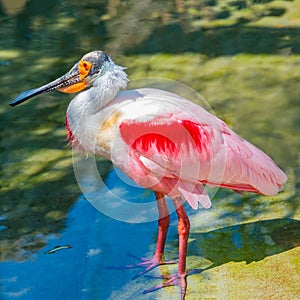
pixel 99 244
pixel 84 271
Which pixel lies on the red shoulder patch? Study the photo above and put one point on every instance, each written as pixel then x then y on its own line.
pixel 165 136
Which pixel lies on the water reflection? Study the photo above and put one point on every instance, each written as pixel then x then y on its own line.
pixel 96 242
pixel 246 242
pixel 30 216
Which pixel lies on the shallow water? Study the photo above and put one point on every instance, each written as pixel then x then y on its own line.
pixel 243 60
pixel 100 245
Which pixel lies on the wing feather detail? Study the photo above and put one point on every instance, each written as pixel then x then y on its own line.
pixel 168 136
pixel 198 154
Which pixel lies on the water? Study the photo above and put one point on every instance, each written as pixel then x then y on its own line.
pixel 81 271
pixel 244 60
pixel 100 244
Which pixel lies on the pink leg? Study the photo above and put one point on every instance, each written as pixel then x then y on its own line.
pixel 163 225
pixel 183 235
pixel 178 279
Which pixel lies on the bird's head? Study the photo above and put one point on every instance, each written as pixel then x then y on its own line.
pixel 91 66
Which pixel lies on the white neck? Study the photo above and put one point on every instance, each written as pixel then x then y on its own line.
pixel 103 90
pixel 106 87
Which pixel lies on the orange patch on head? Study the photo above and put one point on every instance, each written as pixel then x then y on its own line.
pixel 84 68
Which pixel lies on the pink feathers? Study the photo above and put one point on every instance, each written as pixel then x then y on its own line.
pixel 186 155
pixel 178 151
pixel 165 135
pixel 252 166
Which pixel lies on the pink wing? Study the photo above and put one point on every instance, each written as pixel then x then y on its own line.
pixel 196 154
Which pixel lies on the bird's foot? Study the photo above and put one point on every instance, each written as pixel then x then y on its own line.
pixel 171 280
pixel 178 280
pixel 148 264
pixel 145 264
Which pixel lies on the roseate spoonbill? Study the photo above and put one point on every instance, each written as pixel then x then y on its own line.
pixel 162 141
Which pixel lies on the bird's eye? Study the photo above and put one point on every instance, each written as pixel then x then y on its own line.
pixel 85 65
pixel 84 68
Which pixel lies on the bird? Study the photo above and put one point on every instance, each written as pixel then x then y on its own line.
pixel 163 142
